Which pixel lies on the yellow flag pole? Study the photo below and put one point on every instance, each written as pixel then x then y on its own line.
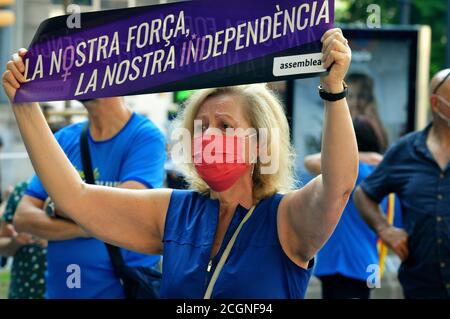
pixel 382 248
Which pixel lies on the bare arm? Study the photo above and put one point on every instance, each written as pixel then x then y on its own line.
pixel 308 216
pixel 7 247
pixel 395 238
pixel 31 218
pixel 133 219
pixel 313 162
pixel 11 241
pixel 370 211
pixel 371 158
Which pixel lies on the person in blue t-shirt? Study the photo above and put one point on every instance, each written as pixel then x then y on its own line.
pixel 343 262
pixel 127 151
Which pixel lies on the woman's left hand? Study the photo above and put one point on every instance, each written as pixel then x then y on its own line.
pixel 336 53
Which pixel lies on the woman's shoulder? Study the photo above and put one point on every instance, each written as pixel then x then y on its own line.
pixel 271 200
pixel 267 207
pixel 188 212
pixel 185 197
pixel 188 203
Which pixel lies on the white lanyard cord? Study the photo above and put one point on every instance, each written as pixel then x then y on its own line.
pixel 224 256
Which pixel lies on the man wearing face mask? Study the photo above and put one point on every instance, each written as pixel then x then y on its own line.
pixel 417 169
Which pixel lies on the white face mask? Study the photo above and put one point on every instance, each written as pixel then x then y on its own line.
pixel 447 104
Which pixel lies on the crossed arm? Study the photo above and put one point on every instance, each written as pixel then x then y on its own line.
pixel 10 239
pixel 31 218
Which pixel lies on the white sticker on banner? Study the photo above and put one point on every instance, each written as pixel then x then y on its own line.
pixel 298 64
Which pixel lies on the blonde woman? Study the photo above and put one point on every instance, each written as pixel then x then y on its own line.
pixel 234 235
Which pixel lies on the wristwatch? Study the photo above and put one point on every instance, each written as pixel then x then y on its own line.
pixel 333 97
pixel 49 207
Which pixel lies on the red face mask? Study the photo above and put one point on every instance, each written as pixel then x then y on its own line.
pixel 219 160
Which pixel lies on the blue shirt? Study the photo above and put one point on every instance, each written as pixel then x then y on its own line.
pixel 257 266
pixel 353 245
pixel 410 171
pixel 135 153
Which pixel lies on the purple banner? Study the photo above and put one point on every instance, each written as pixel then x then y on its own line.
pixel 175 46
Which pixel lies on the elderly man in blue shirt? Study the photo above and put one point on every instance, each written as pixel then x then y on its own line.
pixel 417 169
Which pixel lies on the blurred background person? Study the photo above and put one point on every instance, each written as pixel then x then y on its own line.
pixel 29 263
pixel 417 169
pixel 4 194
pixel 1 189
pixel 342 262
pixel 127 151
pixel 29 253
pixel 362 101
pixel 2 204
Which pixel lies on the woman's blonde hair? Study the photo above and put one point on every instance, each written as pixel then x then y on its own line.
pixel 263 110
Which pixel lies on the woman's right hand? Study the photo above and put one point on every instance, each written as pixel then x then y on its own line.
pixel 13 76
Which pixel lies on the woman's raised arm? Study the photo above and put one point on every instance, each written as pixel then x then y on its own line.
pixel 308 216
pixel 133 219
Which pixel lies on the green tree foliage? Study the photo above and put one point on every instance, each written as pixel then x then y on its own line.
pixel 429 12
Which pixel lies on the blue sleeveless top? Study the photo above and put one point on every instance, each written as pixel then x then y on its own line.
pixel 257 266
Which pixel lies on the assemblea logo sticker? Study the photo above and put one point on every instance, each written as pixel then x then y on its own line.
pixel 298 64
